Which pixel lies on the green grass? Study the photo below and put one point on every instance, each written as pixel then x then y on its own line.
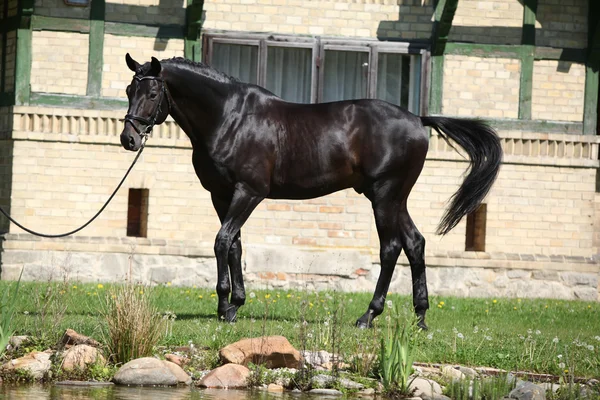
pixel 512 334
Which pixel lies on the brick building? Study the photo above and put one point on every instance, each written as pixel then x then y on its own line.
pixel 530 67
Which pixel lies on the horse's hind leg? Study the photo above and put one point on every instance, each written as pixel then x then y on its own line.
pixel 413 244
pixel 386 220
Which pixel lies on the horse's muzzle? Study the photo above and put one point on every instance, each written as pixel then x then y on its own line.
pixel 130 140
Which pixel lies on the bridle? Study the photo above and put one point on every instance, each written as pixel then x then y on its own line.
pixel 152 121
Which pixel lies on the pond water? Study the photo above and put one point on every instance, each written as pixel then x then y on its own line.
pixel 40 392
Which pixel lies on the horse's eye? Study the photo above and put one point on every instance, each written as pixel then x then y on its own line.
pixel 152 96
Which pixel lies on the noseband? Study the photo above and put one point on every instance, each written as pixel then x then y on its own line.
pixel 152 121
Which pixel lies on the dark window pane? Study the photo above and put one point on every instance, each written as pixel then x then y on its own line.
pixel 137 213
pixel 346 75
pixel 393 78
pixel 289 73
pixel 240 61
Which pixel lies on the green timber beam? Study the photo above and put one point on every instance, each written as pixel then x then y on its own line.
pixel 444 15
pixel 96 48
pixel 193 21
pixel 42 23
pixel 527 59
pixel 23 55
pixel 3 45
pixel 592 71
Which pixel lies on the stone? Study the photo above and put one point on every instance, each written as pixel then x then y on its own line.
pixel 36 363
pixel 423 386
pixel 274 388
pixel 453 373
pixel 179 360
pixel 316 358
pixel 325 392
pixel 72 338
pixel 322 380
pixel 145 371
pixel 469 372
pixel 527 391
pixel 270 351
pixel 79 356
pixel 15 342
pixel 226 376
pixel 367 392
pixel 435 396
pixel 84 383
pixel 180 374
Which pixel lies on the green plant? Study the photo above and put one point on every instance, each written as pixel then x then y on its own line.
pixel 489 388
pixel 7 311
pixel 133 326
pixel 396 358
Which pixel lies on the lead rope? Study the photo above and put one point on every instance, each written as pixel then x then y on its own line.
pixel 94 217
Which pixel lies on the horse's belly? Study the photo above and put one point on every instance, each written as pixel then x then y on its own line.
pixel 311 188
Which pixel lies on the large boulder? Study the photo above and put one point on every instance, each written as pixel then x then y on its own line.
pixel 527 391
pixel 145 371
pixel 35 363
pixel 79 356
pixel 226 376
pixel 270 351
pixel 180 374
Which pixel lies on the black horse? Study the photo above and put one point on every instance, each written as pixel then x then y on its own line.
pixel 249 144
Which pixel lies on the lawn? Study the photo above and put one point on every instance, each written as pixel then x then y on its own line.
pixel 547 336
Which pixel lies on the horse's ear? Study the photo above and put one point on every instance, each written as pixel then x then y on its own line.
pixel 131 63
pixel 155 67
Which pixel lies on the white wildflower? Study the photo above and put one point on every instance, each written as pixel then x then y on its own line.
pixel 389 303
pixel 486 337
pixel 475 329
pixel 597 338
pixel 326 323
pixel 559 356
pixel 538 332
pixel 555 340
pixel 455 330
pixel 430 336
pixel 590 347
pixel 460 335
pixel 252 295
pixel 561 365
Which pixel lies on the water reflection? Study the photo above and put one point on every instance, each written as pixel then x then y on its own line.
pixel 39 392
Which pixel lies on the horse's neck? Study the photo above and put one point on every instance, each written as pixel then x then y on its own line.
pixel 198 102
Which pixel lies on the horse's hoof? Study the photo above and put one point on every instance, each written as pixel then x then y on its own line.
pixel 230 315
pixel 362 325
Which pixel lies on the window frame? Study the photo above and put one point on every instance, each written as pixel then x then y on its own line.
pixel 319 45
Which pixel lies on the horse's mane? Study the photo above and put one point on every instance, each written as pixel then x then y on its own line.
pixel 200 68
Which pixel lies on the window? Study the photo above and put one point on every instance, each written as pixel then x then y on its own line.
pixel 137 213
pixel 476 222
pixel 316 70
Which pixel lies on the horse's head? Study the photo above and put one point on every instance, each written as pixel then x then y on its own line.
pixel 148 103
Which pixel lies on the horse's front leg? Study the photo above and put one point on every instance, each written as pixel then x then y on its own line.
pixel 243 202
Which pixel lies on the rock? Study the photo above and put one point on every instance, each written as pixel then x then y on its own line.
pixel 145 371
pixel 226 376
pixel 453 373
pixel 469 372
pixel 325 392
pixel 367 392
pixel 316 358
pixel 72 338
pixel 84 383
pixel 527 391
pixel 180 374
pixel 79 356
pixel 273 388
pixel 435 396
pixel 270 351
pixel 35 363
pixel 179 360
pixel 15 342
pixel 284 376
pixel 427 387
pixel 327 380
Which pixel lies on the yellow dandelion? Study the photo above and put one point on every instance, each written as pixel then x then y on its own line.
pixel 546 306
pixel 100 286
pixel 168 283
pixel 194 287
pixel 250 301
pixel 494 301
pixel 74 286
pixel 213 295
pixel 62 292
pixel 267 296
pixel 487 311
pixel 88 293
pixel 439 306
pixel 113 296
pixel 322 301
pixel 95 293
pixel 288 296
pixel 141 292
pixel 566 371
pixel 199 296
pixel 278 296
pixel 589 306
pixel 442 303
pixel 310 304
pixel 514 308
pixel 187 292
pixel 274 301
pixel 518 300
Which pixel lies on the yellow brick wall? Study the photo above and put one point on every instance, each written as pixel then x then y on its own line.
pixel 484 87
pixel 116 75
pixel 562 23
pixel 11 53
pixel 58 8
pixel 407 19
pixel 558 90
pixel 152 12
pixel 59 62
pixel 489 21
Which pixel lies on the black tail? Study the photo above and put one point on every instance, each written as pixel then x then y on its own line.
pixel 482 145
